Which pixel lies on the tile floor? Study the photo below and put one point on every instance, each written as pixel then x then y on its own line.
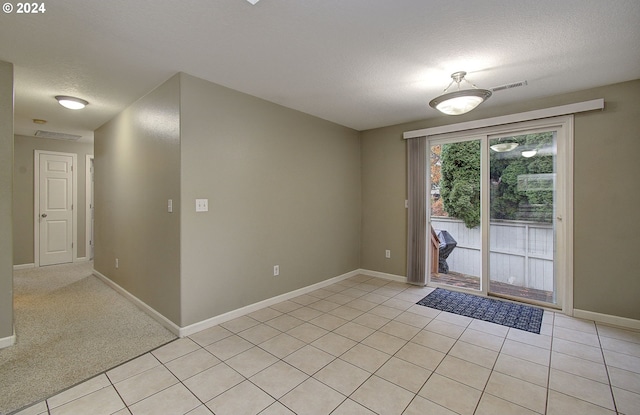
pixel 362 346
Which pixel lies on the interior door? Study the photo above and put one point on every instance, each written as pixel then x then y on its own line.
pixel 55 214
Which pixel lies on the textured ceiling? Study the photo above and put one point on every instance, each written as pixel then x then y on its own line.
pixel 359 63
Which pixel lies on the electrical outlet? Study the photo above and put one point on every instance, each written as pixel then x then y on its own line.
pixel 387 253
pixel 276 270
pixel 117 263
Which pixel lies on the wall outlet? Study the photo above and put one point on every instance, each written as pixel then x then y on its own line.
pixel 117 263
pixel 276 270
pixel 387 253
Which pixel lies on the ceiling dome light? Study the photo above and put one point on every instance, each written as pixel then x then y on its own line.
pixel 72 103
pixel 460 101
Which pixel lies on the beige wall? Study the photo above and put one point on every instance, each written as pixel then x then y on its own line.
pixel 24 148
pixel 606 196
pixel 137 169
pixel 283 188
pixel 6 188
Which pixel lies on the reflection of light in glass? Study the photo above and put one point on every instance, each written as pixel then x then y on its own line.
pixel 529 153
pixel 503 147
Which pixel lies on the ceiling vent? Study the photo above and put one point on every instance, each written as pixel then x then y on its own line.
pixel 508 86
pixel 57 136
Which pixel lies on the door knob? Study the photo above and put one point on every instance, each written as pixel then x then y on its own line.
pixel 44 215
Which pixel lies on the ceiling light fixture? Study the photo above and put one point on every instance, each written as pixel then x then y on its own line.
pixel 461 101
pixel 72 103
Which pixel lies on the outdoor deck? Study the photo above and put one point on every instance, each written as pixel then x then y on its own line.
pixel 468 281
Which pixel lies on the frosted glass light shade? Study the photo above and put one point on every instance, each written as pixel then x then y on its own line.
pixel 71 103
pixel 460 102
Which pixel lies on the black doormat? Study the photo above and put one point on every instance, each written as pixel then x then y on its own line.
pixel 508 314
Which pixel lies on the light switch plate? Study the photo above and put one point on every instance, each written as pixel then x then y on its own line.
pixel 202 205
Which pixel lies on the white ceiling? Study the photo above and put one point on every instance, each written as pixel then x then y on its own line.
pixel 359 63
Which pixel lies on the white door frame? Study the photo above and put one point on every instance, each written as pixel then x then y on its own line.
pixel 36 203
pixel 88 205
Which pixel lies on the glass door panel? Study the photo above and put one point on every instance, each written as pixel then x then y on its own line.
pixel 522 224
pixel 455 232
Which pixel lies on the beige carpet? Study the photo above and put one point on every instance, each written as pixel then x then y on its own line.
pixel 70 326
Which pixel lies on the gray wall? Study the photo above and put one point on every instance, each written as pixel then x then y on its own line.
pixel 6 186
pixel 283 189
pixel 24 147
pixel 606 196
pixel 137 169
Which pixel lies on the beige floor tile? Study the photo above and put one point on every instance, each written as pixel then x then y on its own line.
pixel 342 376
pixel 105 401
pixel 305 299
pixel 402 373
pixel 384 342
pixel 522 369
pixel 420 355
pixel 618 333
pixel 321 293
pixel 312 398
pixel 324 306
pixel 306 313
pixel 328 321
pixel 78 391
pixel 620 346
pixel 581 388
pixel 382 396
pixel 346 312
pixel 375 298
pixel 307 332
pixel 284 322
pixel 234 401
pixel 176 400
pixel 450 394
pixel 401 330
pixel 372 321
pixel 277 409
pixel 524 351
pixel 175 349
pixel 334 344
pixel 434 341
pixel 354 331
pixel 239 324
pixel 212 382
pixel 145 384
pixel 259 333
pixel 532 339
pixel 210 335
pixel 366 357
pixel 627 402
pixel 622 361
pixel 492 405
pixel 309 359
pixel 580 350
pixel 624 379
pixel 279 379
pixel 445 328
pixel 577 336
pixel 580 367
pixel 228 347
pixel 362 305
pixel 489 328
pixel 488 341
pixel 413 319
pixel 133 367
pixel 340 298
pixel 474 354
pixel 386 311
pixel 286 306
pixel 39 408
pixel 355 293
pixel 464 372
pixel 282 345
pixel 251 361
pixel 423 406
pixel 200 410
pixel 587 326
pixel 424 311
pixel 452 318
pixel 399 303
pixel 191 364
pixel 350 407
pixel 265 314
pixel 517 391
pixel 561 404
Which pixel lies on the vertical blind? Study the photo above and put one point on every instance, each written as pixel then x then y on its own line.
pixel 417 214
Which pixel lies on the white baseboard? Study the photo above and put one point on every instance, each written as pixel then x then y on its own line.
pixel 23 266
pixel 168 324
pixel 8 341
pixel 214 321
pixel 608 319
pixel 383 275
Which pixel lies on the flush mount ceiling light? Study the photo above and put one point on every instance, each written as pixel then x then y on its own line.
pixel 72 103
pixel 460 101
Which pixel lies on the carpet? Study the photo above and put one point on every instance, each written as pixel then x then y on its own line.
pixel 508 314
pixel 70 326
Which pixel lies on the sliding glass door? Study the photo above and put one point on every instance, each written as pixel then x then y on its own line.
pixel 496 208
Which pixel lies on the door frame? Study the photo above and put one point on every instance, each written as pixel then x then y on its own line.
pixel 36 203
pixel 564 267
pixel 88 205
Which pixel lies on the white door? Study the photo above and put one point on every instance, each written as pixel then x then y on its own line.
pixel 55 209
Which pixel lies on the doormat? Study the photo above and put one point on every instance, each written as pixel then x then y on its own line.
pixel 522 317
